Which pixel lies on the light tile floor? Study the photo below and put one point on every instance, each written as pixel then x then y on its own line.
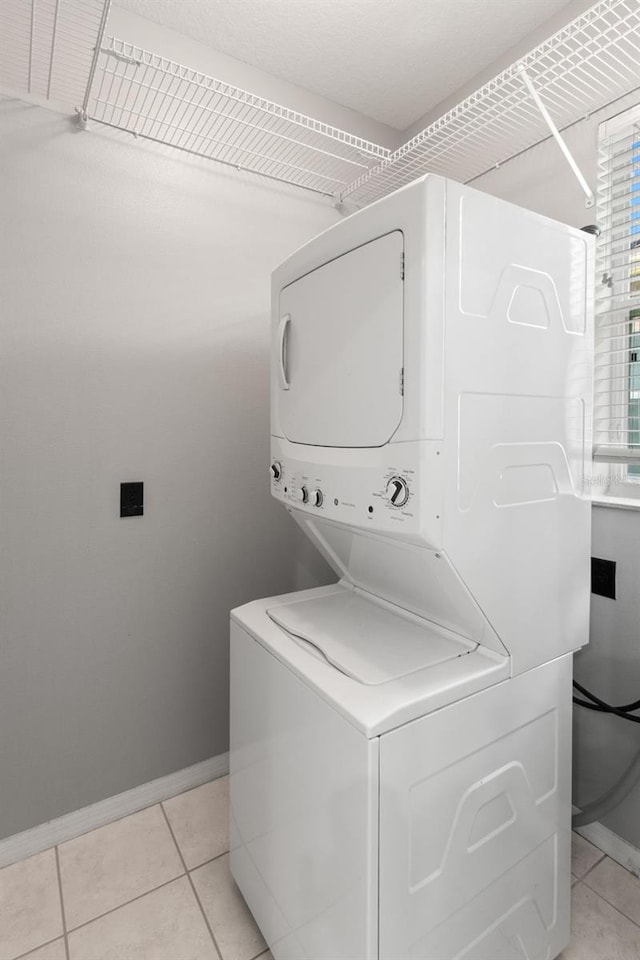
pixel 156 886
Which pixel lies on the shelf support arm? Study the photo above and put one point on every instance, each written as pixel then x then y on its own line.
pixel 82 112
pixel 557 136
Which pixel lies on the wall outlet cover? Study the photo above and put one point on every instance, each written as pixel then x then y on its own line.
pixel 131 499
pixel 603 577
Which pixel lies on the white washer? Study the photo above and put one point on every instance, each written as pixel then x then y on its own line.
pixel 364 825
pixel 401 741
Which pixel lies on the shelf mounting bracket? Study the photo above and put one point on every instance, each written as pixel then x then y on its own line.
pixel 557 136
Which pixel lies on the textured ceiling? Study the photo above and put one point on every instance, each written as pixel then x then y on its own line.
pixel 392 60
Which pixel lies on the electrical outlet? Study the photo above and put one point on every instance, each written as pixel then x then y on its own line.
pixel 131 499
pixel 603 577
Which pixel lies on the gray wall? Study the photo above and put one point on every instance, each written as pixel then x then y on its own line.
pixel 135 343
pixel 610 666
pixel 134 347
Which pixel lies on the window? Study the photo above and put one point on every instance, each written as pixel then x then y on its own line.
pixel 617 360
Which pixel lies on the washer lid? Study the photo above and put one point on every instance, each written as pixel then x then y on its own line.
pixel 365 639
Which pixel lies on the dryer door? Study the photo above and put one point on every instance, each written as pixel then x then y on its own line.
pixel 339 349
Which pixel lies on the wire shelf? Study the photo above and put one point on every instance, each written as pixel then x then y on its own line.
pixel 590 62
pixel 153 97
pixel 47 46
pixel 56 49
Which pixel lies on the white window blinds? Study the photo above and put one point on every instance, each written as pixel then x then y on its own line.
pixel 617 362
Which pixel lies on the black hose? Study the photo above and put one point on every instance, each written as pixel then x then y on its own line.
pixel 621 789
pixel 626 707
pixel 606 709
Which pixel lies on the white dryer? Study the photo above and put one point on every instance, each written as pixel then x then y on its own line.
pixel 401 741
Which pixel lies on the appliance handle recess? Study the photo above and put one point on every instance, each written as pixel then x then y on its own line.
pixel 283 328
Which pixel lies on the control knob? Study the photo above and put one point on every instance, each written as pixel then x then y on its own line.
pixel 276 470
pixel 397 492
pixel 315 498
pixel 302 494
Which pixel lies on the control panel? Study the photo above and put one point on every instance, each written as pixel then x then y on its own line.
pixel 381 489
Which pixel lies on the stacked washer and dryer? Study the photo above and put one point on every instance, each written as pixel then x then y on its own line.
pixel 401 740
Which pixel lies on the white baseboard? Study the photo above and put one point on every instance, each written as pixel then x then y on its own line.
pixel 71 825
pixel 614 846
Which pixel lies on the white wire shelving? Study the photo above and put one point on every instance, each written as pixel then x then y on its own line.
pixel 58 49
pixel 160 100
pixel 47 47
pixel 590 62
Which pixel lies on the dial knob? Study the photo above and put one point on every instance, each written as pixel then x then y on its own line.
pixel 315 498
pixel 397 492
pixel 276 470
pixel 302 494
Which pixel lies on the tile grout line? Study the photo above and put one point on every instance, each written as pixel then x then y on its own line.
pixel 614 905
pixel 64 918
pixel 146 893
pixel 139 896
pixel 191 883
pixel 33 949
pixel 205 863
pixel 608 902
pixel 593 866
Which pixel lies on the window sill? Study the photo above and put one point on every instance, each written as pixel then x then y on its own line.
pixel 617 503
